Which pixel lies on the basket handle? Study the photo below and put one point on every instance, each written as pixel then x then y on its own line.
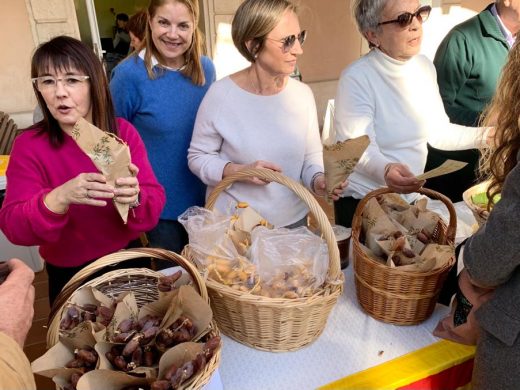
pixel 314 207
pixel 452 225
pixel 118 257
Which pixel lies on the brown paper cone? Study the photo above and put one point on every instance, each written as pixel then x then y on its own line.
pixel 178 355
pixel 126 308
pixel 442 254
pixel 108 153
pixel 109 380
pixel 190 304
pixel 339 160
pixel 52 363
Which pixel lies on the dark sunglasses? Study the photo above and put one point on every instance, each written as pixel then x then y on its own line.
pixel 406 18
pixel 289 41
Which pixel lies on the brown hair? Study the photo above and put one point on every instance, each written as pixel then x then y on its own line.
pixel 504 114
pixel 64 53
pixel 253 21
pixel 193 68
pixel 137 24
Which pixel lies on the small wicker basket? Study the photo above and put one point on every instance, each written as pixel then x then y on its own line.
pixel 389 294
pixel 276 324
pixel 143 283
pixel 480 213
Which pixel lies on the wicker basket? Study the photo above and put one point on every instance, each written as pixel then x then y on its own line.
pixel 143 283
pixel 276 324
pixel 480 213
pixel 389 294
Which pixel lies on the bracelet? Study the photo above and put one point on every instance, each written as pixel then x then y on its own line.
pixel 387 168
pixel 313 179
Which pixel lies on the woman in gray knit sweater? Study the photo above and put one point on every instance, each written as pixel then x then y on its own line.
pixel 492 255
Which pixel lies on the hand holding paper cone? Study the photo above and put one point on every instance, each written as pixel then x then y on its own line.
pixel 108 153
pixel 400 179
pixel 127 188
pixel 320 188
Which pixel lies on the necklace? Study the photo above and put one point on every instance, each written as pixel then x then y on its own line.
pixel 253 87
pixel 180 68
pixel 277 86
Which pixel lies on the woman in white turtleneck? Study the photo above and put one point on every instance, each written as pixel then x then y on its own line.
pixel 391 94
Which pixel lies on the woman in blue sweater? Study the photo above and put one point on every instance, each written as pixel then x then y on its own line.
pixel 159 90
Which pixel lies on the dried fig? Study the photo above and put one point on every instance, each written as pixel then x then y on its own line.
pixel 408 253
pixel 88 355
pixel 126 326
pixel 74 378
pixel 75 363
pixel 130 347
pixel 396 259
pixel 170 372
pixel 160 385
pixel 422 237
pixel 137 357
pixel 120 363
pixel 149 357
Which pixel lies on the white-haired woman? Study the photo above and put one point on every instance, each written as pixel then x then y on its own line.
pixel 391 94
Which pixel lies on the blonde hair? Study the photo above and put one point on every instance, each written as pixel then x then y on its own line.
pixel 253 21
pixel 503 113
pixel 193 68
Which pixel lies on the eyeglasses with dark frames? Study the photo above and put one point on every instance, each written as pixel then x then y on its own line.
pixel 406 18
pixel 290 40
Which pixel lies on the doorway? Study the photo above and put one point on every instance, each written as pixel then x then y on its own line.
pixel 96 20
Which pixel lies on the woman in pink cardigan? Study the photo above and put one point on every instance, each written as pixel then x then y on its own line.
pixel 56 198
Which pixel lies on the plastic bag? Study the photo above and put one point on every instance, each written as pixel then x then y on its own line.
pixel 207 234
pixel 289 260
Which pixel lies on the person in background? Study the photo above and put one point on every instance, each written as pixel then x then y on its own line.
pixel 16 314
pixel 121 40
pixel 56 198
pixel 159 90
pixel 120 43
pixel 137 28
pixel 259 117
pixel 491 255
pixel 391 95
pixel 468 63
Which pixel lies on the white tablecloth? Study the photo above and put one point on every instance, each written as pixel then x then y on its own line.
pixel 352 341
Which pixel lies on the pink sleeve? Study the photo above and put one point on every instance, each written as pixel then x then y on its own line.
pixel 152 196
pixel 24 218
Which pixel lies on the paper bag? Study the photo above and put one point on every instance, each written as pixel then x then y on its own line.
pixel 460 325
pixel 339 160
pixel 108 153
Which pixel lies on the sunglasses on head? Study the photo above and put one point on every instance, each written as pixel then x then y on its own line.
pixel 290 40
pixel 406 18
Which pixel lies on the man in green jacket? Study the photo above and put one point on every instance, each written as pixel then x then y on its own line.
pixel 468 62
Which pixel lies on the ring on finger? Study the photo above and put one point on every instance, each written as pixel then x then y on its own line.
pixel 87 195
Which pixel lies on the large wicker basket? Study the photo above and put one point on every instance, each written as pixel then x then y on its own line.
pixel 480 213
pixel 389 294
pixel 143 283
pixel 276 324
